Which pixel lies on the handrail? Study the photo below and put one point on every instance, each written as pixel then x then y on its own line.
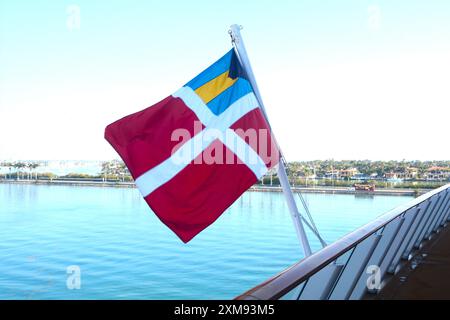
pixel 281 284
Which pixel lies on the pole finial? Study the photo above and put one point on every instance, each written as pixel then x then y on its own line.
pixel 234 33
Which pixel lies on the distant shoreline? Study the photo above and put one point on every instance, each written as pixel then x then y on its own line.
pixel 259 188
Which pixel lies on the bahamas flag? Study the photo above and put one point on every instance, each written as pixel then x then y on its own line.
pixel 194 153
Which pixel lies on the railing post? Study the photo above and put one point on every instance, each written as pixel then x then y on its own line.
pixel 409 218
pixel 382 249
pixel 429 217
pixel 409 240
pixel 439 215
pixel 354 268
pixel 446 211
pixel 435 215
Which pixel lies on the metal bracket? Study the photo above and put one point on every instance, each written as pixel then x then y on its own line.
pixel 234 36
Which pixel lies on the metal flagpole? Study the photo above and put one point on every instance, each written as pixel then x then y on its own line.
pixel 238 43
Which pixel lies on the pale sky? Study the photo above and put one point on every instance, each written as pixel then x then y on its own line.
pixel 351 79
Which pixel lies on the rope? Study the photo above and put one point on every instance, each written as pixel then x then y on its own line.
pixel 311 224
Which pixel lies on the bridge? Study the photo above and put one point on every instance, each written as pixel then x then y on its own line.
pixel 403 254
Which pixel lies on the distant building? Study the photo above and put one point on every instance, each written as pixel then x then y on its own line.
pixel 412 173
pixel 438 173
pixel 348 173
pixel 408 174
pixel 332 174
pixel 341 174
pixel 391 175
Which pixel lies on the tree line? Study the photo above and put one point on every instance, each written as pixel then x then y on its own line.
pixel 320 168
pixel 117 170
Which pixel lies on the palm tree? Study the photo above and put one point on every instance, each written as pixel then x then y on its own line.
pixel 22 165
pixel 16 166
pixel 6 165
pixel 32 166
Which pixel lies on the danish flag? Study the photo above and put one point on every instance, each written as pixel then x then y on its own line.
pixel 194 153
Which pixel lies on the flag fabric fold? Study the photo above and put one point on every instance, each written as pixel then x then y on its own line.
pixel 194 153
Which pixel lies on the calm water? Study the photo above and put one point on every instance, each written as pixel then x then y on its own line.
pixel 124 251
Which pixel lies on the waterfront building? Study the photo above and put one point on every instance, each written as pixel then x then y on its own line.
pixel 438 173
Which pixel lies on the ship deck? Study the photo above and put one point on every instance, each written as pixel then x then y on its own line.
pixel 425 276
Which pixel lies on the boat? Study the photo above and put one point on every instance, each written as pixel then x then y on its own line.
pixel 364 187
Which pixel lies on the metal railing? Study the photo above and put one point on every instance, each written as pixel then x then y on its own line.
pixel 342 269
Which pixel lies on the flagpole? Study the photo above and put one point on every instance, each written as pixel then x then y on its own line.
pixel 238 43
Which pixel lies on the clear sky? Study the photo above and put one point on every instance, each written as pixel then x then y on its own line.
pixel 350 79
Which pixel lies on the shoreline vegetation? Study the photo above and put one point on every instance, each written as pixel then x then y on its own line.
pixel 328 176
pixel 257 187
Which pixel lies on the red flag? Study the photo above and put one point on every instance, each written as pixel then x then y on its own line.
pixel 194 153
